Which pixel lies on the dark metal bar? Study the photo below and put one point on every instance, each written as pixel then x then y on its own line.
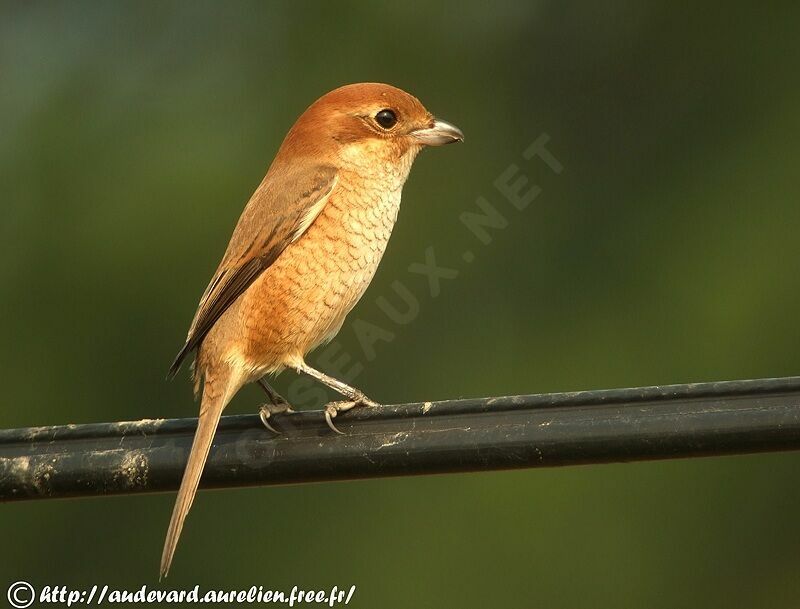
pixel 606 426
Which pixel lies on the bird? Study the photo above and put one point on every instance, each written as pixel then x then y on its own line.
pixel 302 254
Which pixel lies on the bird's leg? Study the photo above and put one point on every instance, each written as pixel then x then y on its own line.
pixel 351 393
pixel 276 398
pixel 279 404
pixel 355 396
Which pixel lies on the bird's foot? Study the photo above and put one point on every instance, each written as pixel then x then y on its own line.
pixel 267 410
pixel 334 408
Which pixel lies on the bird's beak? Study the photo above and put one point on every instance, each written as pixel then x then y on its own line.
pixel 438 134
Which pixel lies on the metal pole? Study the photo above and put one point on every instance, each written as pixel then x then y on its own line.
pixel 604 426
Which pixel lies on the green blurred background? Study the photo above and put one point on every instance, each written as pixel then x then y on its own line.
pixel 132 134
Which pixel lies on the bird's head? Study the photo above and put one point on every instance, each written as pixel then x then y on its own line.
pixel 368 122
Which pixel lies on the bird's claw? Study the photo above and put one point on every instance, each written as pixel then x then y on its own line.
pixel 334 408
pixel 267 410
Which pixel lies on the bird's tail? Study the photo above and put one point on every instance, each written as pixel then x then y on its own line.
pixel 216 396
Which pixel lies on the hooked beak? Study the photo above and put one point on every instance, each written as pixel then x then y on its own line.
pixel 438 134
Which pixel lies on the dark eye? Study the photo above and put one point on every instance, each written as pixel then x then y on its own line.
pixel 386 118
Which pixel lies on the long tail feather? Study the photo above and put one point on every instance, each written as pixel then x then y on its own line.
pixel 210 411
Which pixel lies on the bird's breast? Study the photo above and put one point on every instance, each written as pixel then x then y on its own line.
pixel 303 298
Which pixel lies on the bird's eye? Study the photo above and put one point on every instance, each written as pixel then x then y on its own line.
pixel 386 118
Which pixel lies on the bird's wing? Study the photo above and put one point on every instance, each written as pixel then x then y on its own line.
pixel 279 212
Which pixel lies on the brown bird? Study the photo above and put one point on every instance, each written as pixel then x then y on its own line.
pixel 302 254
